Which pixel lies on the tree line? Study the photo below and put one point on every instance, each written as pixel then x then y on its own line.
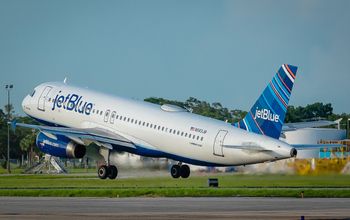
pixel 315 111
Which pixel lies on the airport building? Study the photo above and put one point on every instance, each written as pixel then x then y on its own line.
pixel 307 137
pixel 334 157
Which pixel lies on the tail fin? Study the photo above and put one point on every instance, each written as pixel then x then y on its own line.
pixel 267 114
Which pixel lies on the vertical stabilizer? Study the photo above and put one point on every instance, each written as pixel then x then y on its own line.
pixel 267 114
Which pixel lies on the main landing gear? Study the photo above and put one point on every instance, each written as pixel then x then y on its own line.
pixel 108 170
pixel 178 170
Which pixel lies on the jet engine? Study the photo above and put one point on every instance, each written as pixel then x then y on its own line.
pixel 60 146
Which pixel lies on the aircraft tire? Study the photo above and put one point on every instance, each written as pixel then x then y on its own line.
pixel 112 172
pixel 185 171
pixel 102 172
pixel 175 171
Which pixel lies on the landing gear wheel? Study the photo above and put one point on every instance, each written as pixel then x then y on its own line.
pixel 112 172
pixel 185 171
pixel 175 171
pixel 102 172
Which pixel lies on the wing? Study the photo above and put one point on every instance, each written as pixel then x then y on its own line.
pixel 308 124
pixel 100 136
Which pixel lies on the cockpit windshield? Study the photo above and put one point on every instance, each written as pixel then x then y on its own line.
pixel 32 94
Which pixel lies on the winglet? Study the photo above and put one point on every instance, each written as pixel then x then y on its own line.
pixel 338 120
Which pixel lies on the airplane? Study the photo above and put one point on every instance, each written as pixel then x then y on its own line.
pixel 75 117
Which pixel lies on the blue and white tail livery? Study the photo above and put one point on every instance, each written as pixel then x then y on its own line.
pixel 267 114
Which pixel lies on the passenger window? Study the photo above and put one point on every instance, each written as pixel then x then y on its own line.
pixel 128 119
pixel 162 128
pixel 143 124
pixel 97 111
pixel 158 127
pixel 186 134
pixel 182 133
pixel 178 132
pixel 197 138
pixel 147 124
pixel 170 130
pixel 201 138
pixel 124 118
pixel 101 112
pixel 174 131
pixel 189 136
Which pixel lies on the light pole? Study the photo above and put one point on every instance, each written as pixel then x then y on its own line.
pixel 8 88
pixel 347 128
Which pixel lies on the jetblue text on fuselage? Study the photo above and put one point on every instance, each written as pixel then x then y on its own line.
pixel 72 102
pixel 266 114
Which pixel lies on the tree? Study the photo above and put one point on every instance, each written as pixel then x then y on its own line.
pixel 27 144
pixel 314 111
pixel 9 109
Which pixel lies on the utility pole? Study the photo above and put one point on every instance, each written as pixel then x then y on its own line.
pixel 8 88
pixel 347 128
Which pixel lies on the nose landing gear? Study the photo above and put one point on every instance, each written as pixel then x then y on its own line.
pixel 179 170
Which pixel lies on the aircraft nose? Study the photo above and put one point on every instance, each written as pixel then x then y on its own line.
pixel 25 103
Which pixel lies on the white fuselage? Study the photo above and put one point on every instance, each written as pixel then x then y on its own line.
pixel 159 131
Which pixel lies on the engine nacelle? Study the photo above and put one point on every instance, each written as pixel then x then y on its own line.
pixel 60 147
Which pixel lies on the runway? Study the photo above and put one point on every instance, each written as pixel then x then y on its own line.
pixel 173 208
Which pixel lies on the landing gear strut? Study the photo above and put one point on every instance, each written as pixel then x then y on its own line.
pixel 108 170
pixel 178 170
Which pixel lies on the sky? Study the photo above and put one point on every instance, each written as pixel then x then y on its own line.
pixel 216 51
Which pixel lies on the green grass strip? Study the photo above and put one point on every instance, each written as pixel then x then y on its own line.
pixel 175 192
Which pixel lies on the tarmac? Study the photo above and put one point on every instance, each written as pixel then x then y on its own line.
pixel 173 208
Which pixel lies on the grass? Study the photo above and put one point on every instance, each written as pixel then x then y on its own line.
pixel 229 185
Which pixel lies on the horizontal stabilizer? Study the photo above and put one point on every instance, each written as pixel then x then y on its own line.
pixel 308 124
pixel 315 146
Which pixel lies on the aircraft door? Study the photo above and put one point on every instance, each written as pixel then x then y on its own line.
pixel 43 97
pixel 112 117
pixel 218 143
